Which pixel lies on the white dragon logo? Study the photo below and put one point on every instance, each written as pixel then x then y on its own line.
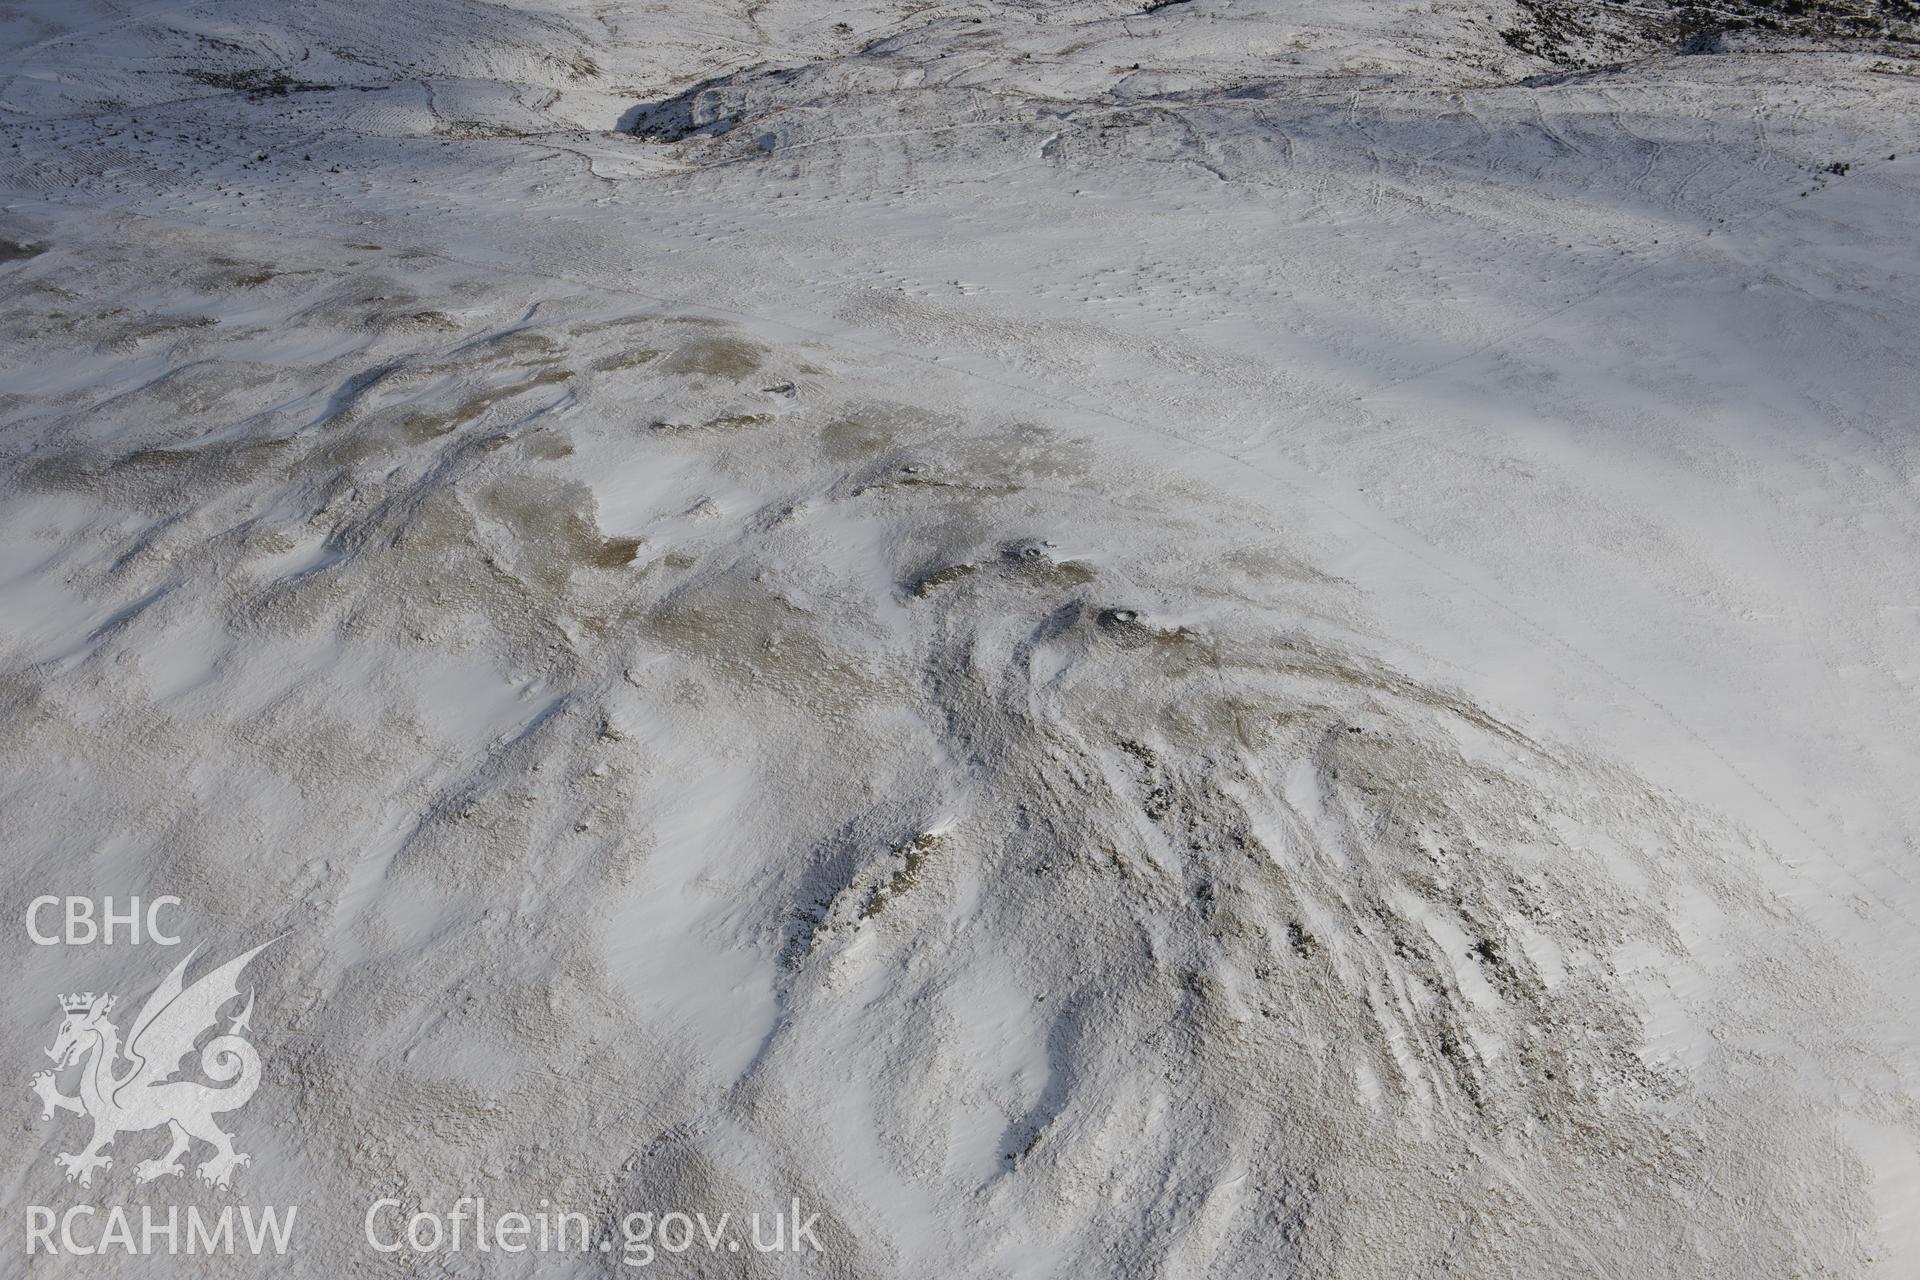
pixel 144 1095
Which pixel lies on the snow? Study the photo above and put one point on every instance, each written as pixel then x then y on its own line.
pixel 1244 638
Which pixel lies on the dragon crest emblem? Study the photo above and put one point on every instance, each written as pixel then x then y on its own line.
pixel 129 1086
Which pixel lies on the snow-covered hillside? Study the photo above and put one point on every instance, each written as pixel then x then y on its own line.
pixel 1218 638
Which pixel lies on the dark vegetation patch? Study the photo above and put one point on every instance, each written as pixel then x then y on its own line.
pixel 260 82
pixel 1579 34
